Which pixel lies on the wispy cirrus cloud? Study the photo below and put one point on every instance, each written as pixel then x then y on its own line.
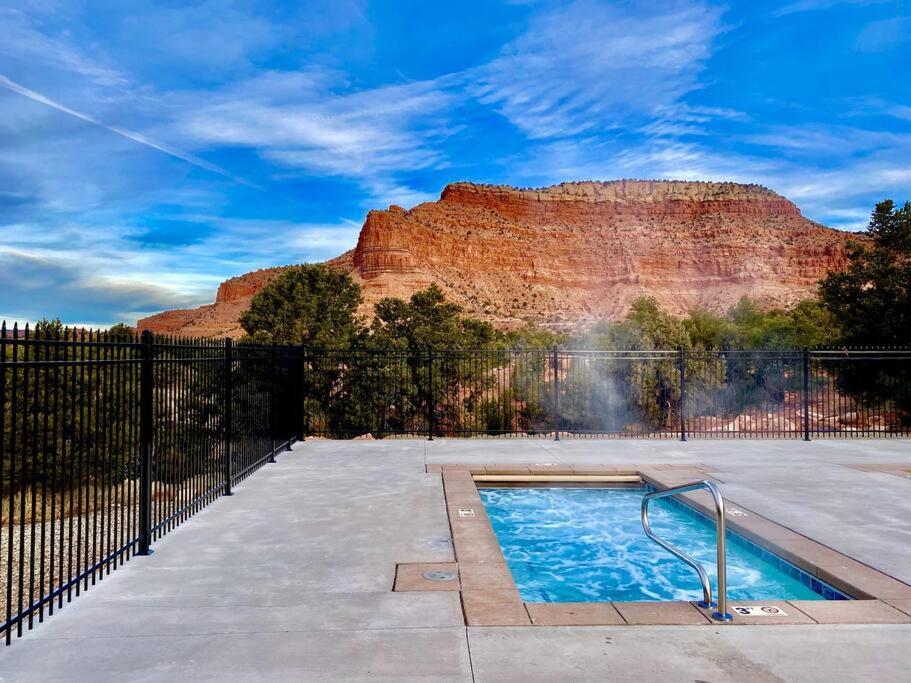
pixel 884 34
pixel 900 111
pixel 313 123
pixel 830 140
pixel 25 40
pixel 814 5
pixel 580 69
pixel 248 243
pixel 593 66
pixel 137 137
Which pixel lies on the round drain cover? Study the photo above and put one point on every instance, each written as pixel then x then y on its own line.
pixel 439 575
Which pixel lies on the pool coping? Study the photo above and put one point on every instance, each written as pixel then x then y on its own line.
pixel 489 596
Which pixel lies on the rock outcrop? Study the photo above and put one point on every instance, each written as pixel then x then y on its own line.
pixel 571 254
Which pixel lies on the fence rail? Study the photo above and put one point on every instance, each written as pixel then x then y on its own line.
pixel 108 442
pixel 559 393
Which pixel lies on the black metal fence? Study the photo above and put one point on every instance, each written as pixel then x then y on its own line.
pixel 108 442
pixel 561 393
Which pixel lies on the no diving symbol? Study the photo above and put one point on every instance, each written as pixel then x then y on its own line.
pixel 759 611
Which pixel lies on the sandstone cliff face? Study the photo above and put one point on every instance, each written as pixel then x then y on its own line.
pixel 213 320
pixel 569 255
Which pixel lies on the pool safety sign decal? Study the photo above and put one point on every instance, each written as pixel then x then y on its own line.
pixel 760 611
pixel 466 512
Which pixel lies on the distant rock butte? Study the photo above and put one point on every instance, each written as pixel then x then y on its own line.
pixel 569 255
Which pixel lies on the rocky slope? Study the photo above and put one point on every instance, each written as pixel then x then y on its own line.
pixel 571 254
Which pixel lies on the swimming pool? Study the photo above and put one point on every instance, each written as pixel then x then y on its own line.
pixel 587 545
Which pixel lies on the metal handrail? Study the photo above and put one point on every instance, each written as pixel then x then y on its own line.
pixel 722 613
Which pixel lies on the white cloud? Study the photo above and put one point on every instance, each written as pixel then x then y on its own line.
pixel 882 35
pixel 41 283
pixel 24 40
pixel 210 35
pixel 828 140
pixel 814 5
pixel 106 276
pixel 900 112
pixel 823 191
pixel 122 132
pixel 591 66
pixel 366 135
pixel 583 68
pixel 248 242
pixel 854 219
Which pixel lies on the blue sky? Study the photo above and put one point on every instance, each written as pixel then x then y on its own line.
pixel 150 150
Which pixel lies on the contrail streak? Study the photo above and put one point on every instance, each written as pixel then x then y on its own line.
pixel 123 132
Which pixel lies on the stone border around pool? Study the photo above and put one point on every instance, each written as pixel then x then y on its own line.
pixel 489 596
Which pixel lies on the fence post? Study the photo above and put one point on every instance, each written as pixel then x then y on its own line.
pixel 681 355
pixel 146 434
pixel 806 394
pixel 290 396
pixel 430 397
pixel 301 398
pixel 555 359
pixel 272 402
pixel 229 412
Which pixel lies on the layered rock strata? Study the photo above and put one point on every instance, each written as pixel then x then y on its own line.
pixel 569 255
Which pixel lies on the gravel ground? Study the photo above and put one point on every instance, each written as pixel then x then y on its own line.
pixel 97 538
pixel 79 540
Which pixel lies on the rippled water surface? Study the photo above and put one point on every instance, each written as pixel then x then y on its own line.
pixel 587 545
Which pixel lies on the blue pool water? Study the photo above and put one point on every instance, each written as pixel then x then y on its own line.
pixel 587 545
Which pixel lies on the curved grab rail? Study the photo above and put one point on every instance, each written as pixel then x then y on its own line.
pixel 722 614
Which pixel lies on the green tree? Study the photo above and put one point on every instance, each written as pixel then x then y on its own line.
pixel 315 307
pixel 742 375
pixel 311 305
pixel 532 337
pixel 871 299
pixel 416 351
pixel 806 325
pixel 121 332
pixel 427 321
pixel 651 327
pixel 709 331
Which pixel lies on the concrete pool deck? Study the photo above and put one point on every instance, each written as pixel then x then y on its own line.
pixel 291 578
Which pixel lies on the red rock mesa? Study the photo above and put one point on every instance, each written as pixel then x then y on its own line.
pixel 568 255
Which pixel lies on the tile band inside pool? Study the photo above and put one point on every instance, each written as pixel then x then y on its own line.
pixel 587 545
